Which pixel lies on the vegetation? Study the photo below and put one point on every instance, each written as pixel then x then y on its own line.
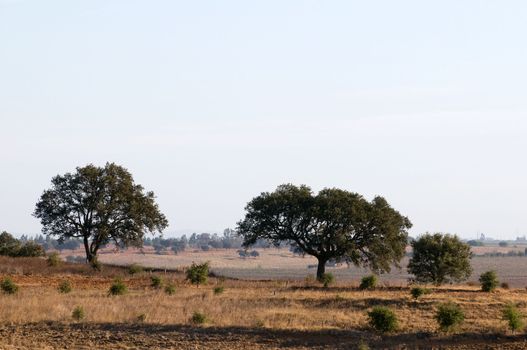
pixel 135 269
pixel 449 316
pixel 440 258
pixel 118 288
pixel 514 318
pixel 219 290
pixel 99 205
pixel 78 313
pixel 10 246
pixel 382 319
pixel 198 318
pixel 327 279
pixel 333 224
pixel 54 259
pixel 65 287
pixel 170 289
pixel 156 282
pixel 198 273
pixel 8 286
pixel 489 281
pixel 368 282
pixel 418 292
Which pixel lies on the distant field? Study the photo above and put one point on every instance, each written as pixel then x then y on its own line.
pixel 281 264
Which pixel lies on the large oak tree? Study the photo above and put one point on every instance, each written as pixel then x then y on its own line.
pixel 333 224
pixel 99 205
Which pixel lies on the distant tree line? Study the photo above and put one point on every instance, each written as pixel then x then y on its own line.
pixel 10 246
pixel 200 241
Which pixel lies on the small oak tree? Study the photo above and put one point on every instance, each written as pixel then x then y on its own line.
pixel 333 224
pixel 99 205
pixel 440 258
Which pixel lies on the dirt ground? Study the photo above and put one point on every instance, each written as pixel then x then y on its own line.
pixel 51 335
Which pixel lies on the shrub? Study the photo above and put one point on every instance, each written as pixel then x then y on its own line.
pixel 30 249
pixel 198 318
pixel 449 316
pixel 118 288
pixel 78 313
pixel 382 319
pixel 363 346
pixel 219 290
pixel 489 281
pixel 54 259
pixel 135 269
pixel 170 289
pixel 368 282
pixel 327 279
pixel 141 318
pixel 8 286
pixel 156 282
pixel 95 264
pixel 198 273
pixel 418 292
pixel 439 258
pixel 505 285
pixel 513 316
pixel 65 287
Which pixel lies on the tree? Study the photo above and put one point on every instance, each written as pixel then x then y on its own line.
pixel 99 205
pixel 9 245
pixel 13 247
pixel 440 258
pixel 331 224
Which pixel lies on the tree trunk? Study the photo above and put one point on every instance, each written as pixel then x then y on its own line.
pixel 89 255
pixel 321 268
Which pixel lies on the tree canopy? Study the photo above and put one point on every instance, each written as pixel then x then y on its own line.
pixel 99 205
pixel 11 246
pixel 440 258
pixel 333 224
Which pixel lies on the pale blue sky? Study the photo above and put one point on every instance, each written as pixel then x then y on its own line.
pixel 209 103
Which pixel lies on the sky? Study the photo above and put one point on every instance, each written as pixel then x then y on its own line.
pixel 210 103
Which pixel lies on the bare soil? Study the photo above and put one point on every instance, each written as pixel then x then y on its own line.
pixel 53 335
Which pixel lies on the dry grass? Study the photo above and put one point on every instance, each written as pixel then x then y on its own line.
pixel 271 304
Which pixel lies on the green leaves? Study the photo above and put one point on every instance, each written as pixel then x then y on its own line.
pixel 331 224
pixel 440 258
pixel 100 205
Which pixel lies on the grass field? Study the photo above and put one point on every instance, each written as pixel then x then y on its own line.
pixel 282 264
pixel 292 314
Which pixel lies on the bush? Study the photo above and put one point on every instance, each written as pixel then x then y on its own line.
pixel 30 249
pixel 135 269
pixel 141 318
pixel 368 282
pixel 449 316
pixel 218 290
pixel 54 259
pixel 489 281
pixel 327 279
pixel 8 286
pixel 514 318
pixel 439 258
pixel 418 292
pixel 156 282
pixel 198 318
pixel 198 273
pixel 170 289
pixel 65 287
pixel 382 319
pixel 95 264
pixel 118 288
pixel 78 313
pixel 505 285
